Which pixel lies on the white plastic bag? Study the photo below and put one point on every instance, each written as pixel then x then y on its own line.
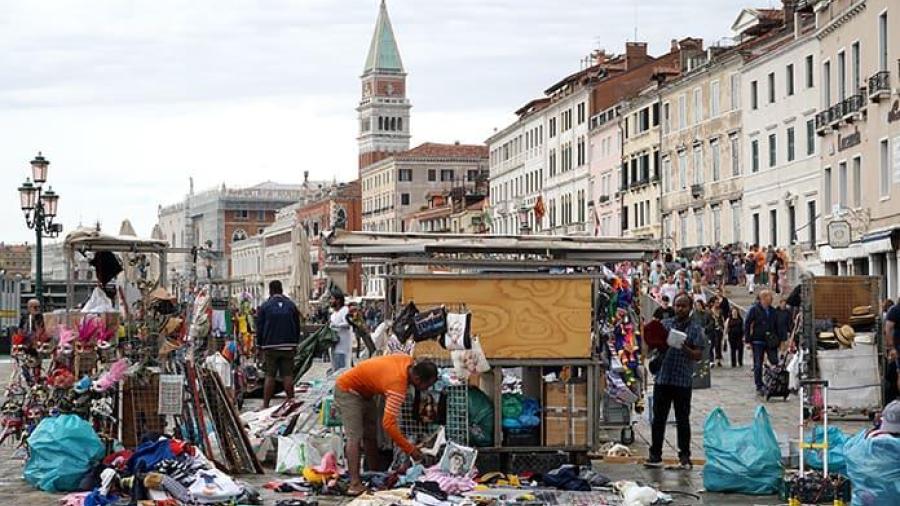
pixel 98 303
pixel 793 369
pixel 300 450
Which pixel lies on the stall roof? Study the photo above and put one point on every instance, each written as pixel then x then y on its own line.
pixel 386 245
pixel 91 239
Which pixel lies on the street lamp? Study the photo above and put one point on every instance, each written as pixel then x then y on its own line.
pixel 524 226
pixel 39 207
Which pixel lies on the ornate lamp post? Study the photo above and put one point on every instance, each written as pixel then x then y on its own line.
pixel 524 226
pixel 39 206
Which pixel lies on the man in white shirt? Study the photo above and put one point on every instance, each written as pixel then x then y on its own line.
pixel 341 355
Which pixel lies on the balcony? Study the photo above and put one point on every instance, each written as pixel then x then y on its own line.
pixel 823 120
pixel 697 190
pixel 880 86
pixel 852 106
pixel 835 113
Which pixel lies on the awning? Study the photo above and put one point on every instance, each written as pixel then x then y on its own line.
pixel 829 254
pixel 878 242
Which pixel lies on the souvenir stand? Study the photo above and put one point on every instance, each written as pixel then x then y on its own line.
pixel 842 339
pixel 559 330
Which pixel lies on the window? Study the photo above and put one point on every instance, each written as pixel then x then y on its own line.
pixel 717 224
pixel 682 169
pixel 404 175
pixel 432 175
pixel 736 220
pixel 735 91
pixel 773 150
pixel 826 84
pixel 667 174
pixel 582 115
pixel 885 168
pixel 472 175
pixel 755 226
pixel 826 191
pixel 771 87
pixel 682 111
pixel 682 227
pixel 789 79
pixel 667 125
pixel 883 41
pixel 581 206
pixel 773 226
pixel 735 144
pixel 242 214
pixel 698 164
pixel 238 235
pixel 624 217
pixel 404 199
pixel 842 76
pixel 552 127
pixel 698 106
pixel 655 111
pixel 810 137
pixel 551 162
pixel 714 153
pixel 447 175
pixel 790 144
pixel 754 95
pixel 842 184
pixel 809 71
pixel 811 224
pixel 857 182
pixel 582 152
pixel 854 68
pixel 714 99
pixel 698 215
pixel 754 155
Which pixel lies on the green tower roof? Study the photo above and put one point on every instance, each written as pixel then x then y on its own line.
pixel 383 52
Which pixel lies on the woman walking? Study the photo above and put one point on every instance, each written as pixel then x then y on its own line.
pixel 734 326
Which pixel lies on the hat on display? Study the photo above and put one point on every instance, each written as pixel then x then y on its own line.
pixel 890 418
pixel 845 335
pixel 861 311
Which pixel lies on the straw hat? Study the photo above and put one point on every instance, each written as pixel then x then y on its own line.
pixel 861 311
pixel 845 335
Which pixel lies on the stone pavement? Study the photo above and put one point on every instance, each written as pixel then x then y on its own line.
pixel 731 388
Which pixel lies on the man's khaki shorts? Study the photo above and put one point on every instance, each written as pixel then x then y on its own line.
pixel 279 363
pixel 357 414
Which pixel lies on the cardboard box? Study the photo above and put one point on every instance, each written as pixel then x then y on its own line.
pixel 565 396
pixel 565 430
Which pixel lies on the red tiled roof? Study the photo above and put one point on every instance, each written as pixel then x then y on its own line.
pixel 435 150
pixel 477 206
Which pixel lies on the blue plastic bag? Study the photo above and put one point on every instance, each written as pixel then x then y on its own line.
pixel 741 459
pixel 872 466
pixel 836 440
pixel 62 449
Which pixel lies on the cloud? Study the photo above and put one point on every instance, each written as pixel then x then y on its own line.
pixel 129 99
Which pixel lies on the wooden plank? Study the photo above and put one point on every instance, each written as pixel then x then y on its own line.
pixel 516 318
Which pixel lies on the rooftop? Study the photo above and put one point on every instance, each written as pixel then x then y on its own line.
pixel 384 56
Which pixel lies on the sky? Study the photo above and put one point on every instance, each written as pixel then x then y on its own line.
pixel 128 99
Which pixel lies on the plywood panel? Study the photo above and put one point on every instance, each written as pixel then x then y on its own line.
pixel 517 318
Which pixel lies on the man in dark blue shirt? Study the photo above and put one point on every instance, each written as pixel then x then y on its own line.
pixel 673 385
pixel 277 335
pixel 761 332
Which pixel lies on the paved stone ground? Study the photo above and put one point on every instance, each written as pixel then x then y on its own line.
pixel 732 389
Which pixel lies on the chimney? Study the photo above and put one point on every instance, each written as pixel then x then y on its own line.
pixel 635 54
pixel 673 45
pixel 305 176
pixel 790 8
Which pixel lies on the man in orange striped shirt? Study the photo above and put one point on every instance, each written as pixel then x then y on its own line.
pixel 354 397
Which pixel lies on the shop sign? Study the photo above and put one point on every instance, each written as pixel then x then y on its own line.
pixel 894 113
pixel 839 234
pixel 848 141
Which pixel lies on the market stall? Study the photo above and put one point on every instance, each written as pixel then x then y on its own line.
pixel 559 331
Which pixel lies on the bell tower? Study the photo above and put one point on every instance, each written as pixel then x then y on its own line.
pixel 383 107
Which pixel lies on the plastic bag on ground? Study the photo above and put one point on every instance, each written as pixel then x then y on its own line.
pixel 301 450
pixel 873 470
pixel 741 459
pixel 836 440
pixel 62 450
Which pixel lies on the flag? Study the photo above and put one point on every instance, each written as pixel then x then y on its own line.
pixel 539 208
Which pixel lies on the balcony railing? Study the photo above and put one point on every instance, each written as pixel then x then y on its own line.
pixel 823 120
pixel 697 190
pixel 880 85
pixel 852 106
pixel 835 113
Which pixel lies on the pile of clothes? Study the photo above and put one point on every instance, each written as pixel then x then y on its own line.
pixel 161 471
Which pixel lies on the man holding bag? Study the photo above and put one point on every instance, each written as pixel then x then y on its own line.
pixel 761 333
pixel 674 382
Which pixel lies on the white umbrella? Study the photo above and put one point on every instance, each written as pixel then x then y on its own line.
pixel 301 272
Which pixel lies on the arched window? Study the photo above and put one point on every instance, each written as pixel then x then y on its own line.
pixel 380 123
pixel 400 124
pixel 238 235
pixel 393 124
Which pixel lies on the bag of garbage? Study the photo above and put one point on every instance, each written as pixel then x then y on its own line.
pixel 741 459
pixel 836 440
pixel 481 418
pixel 298 451
pixel 62 449
pixel 873 470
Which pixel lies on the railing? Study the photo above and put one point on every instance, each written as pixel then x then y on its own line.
pixel 852 105
pixel 879 84
pixel 836 112
pixel 697 190
pixel 823 119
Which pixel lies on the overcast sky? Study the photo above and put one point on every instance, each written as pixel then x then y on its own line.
pixel 127 99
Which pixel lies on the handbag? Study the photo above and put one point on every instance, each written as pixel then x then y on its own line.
pixel 403 323
pixel 458 335
pixel 430 324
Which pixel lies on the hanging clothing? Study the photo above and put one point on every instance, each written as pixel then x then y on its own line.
pixel 343 351
pixel 218 322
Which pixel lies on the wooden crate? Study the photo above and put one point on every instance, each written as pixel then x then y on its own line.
pixel 516 317
pixel 565 396
pixel 567 428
